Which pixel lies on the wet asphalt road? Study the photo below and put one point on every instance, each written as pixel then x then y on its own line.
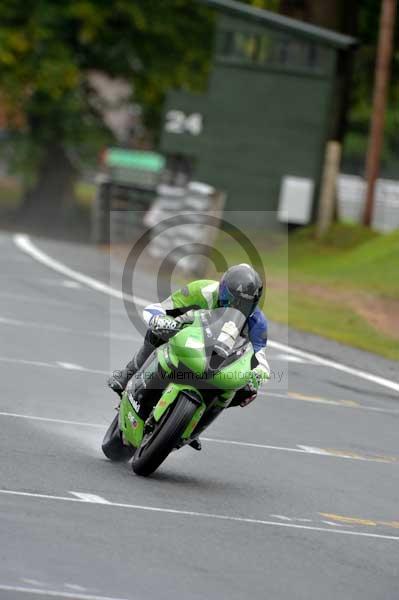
pixel 308 511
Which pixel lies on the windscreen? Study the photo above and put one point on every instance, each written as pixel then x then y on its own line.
pixel 222 327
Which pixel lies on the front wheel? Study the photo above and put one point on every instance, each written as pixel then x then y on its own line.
pixel 112 445
pixel 164 438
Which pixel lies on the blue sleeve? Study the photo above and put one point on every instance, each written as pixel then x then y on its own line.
pixel 257 330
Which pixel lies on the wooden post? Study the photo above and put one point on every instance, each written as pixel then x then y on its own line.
pixel 328 188
pixel 382 73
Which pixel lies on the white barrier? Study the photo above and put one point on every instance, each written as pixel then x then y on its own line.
pixel 351 191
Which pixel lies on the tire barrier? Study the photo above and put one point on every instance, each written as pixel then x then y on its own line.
pixel 184 243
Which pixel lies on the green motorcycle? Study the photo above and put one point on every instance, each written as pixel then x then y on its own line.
pixel 181 388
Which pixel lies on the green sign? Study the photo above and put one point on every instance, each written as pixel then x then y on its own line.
pixel 133 159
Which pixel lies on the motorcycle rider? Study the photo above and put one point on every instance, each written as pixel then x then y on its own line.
pixel 240 287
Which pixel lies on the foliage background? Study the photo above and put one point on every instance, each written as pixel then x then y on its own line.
pixel 48 49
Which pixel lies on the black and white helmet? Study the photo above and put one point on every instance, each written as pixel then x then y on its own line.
pixel 241 288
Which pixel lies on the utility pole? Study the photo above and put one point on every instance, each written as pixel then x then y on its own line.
pixel 328 188
pixel 382 74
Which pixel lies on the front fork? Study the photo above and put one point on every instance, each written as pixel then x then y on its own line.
pixel 212 411
pixel 133 426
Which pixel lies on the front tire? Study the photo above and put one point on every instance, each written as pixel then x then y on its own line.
pixel 112 445
pixel 164 438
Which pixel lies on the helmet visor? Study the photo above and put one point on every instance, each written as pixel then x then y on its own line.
pixel 237 300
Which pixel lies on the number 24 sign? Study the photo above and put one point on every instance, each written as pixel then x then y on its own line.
pixel 178 122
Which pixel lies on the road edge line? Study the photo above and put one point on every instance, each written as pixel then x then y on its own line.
pixel 337 366
pixel 24 243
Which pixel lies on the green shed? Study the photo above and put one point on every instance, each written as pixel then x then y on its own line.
pixel 274 98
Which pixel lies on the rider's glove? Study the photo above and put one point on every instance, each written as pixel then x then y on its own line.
pixel 163 324
pixel 251 389
pixel 252 392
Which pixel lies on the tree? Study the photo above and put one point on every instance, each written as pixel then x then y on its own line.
pixel 362 89
pixel 360 19
pixel 47 51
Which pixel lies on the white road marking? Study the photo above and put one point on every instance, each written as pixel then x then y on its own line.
pixel 90 498
pixel 71 284
pixel 314 450
pixel 74 586
pixel 51 302
pixel 67 283
pixel 392 385
pixel 32 581
pixel 290 358
pixel 36 300
pixel 60 329
pixel 70 366
pixel 54 593
pixel 264 393
pixel 341 403
pixel 38 363
pixel 377 409
pixel 301 520
pixel 214 516
pixel 49 420
pixel 254 445
pixel 300 449
pixel 268 393
pixel 24 243
pixel 21 361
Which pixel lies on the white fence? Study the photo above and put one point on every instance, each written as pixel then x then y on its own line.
pixel 351 191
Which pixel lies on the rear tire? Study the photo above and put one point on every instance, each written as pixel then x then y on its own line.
pixel 164 438
pixel 112 445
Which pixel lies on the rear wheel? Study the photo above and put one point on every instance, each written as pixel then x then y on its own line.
pixel 164 438
pixel 112 445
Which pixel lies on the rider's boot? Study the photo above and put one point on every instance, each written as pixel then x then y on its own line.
pixel 119 379
pixel 196 444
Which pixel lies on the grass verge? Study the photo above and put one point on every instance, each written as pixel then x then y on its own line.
pixel 344 287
